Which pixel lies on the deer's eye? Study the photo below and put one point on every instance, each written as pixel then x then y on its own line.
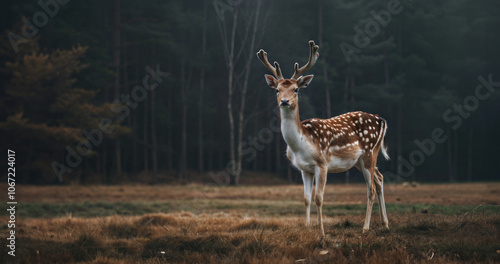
pixel 296 90
pixel 277 91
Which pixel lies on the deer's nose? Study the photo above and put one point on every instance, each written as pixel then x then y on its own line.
pixel 285 102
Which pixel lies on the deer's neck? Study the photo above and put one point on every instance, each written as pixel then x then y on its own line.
pixel 291 128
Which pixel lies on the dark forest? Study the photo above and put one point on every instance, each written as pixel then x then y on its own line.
pixel 172 91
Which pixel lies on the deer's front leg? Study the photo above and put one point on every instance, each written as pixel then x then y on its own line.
pixel 308 180
pixel 320 176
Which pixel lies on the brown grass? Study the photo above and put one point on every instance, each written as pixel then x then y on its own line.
pixel 232 236
pixel 444 194
pixel 228 238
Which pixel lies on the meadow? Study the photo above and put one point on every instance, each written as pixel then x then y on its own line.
pixel 440 223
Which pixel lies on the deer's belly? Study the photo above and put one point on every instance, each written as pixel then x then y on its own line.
pixel 340 164
pixel 343 160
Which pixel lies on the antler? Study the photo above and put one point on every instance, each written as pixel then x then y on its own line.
pixel 313 56
pixel 276 71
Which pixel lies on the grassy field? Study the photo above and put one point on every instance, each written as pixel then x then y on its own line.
pixel 444 223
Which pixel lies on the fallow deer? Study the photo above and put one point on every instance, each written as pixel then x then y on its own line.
pixel 318 146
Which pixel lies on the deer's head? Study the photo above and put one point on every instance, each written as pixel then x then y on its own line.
pixel 287 89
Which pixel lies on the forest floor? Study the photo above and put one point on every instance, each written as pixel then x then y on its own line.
pixel 439 223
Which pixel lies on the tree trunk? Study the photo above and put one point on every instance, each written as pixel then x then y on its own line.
pixel 116 64
pixel 269 154
pixel 231 66
pixel 202 87
pixel 145 138
pixel 154 152
pixel 399 135
pixel 135 127
pixel 455 156
pixel 118 156
pixel 170 132
pixel 470 152
pixel 255 163
pixel 135 157
pixel 269 159
pixel 154 148
pixel 185 86
pixel 231 57
pixel 183 156
pixel 98 165
pixel 323 59
pixel 450 156
pixel 200 124
pixel 126 155
pixel 211 150
pixel 221 159
pixel 248 67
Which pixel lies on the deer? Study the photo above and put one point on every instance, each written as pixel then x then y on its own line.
pixel 320 146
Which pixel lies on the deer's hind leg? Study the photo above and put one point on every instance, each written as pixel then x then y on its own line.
pixel 368 170
pixel 379 186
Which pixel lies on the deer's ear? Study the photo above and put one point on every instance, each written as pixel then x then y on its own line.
pixel 303 81
pixel 271 81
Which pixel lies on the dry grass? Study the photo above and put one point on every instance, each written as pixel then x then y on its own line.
pixel 233 236
pixel 444 194
pixel 229 238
